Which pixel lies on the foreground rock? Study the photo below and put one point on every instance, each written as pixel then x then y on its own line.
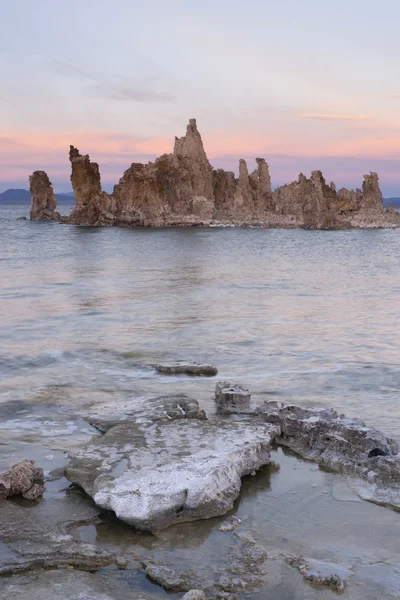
pixel 182 189
pixel 66 585
pixel 43 200
pixel 146 410
pixel 320 572
pixel 182 368
pixel 244 570
pixel 155 475
pixel 232 398
pixel 342 444
pixel 23 478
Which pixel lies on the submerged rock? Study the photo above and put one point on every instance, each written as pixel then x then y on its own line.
pixel 321 572
pixel 66 585
pixel 43 200
pixel 155 475
pixel 24 478
pixel 230 524
pixel 187 368
pixel 244 569
pixel 231 398
pixel 195 595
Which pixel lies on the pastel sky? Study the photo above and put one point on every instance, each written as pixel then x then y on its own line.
pixel 307 84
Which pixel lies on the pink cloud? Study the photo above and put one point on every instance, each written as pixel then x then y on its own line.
pixel 329 117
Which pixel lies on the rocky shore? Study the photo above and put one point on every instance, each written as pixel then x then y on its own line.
pixel 183 189
pixel 170 493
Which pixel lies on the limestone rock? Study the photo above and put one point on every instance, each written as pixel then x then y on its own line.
pixel 93 206
pixel 182 189
pixel 43 200
pixel 343 444
pixel 174 188
pixel 153 476
pixel 23 478
pixel 66 584
pixel 146 410
pixel 195 595
pixel 231 398
pixel 371 199
pixel 320 572
pixel 187 368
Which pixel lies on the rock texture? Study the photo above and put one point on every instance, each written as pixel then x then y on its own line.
pixel 320 572
pixel 153 476
pixel 231 398
pixel 182 368
pixel 343 444
pixel 43 200
pixel 183 189
pixel 24 478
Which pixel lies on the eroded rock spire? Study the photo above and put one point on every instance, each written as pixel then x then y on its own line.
pixel 43 200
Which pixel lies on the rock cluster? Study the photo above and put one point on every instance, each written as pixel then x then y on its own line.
pixel 24 478
pixel 43 200
pixel 183 189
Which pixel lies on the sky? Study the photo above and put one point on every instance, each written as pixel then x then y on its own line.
pixel 306 85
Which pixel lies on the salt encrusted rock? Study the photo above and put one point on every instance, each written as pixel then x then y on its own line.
pixel 153 476
pixel 230 524
pixel 343 444
pixel 243 568
pixel 320 572
pixel 339 442
pixel 23 478
pixel 187 368
pixel 43 200
pixel 195 595
pixel 231 398
pixel 146 410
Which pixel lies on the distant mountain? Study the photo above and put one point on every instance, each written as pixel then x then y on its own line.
pixel 17 197
pixel 395 202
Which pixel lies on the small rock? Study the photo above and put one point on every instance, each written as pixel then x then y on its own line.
pixel 21 218
pixel 231 398
pixel 319 572
pixel 195 595
pixel 187 368
pixel 22 478
pixel 230 524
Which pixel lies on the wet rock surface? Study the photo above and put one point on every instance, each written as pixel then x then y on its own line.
pixel 319 572
pixel 182 189
pixel 147 410
pixel 231 398
pixel 65 585
pixel 182 368
pixel 154 475
pixel 343 444
pixel 23 478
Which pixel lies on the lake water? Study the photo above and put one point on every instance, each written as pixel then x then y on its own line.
pixel 305 316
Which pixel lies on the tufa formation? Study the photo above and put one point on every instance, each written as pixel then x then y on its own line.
pixel 183 189
pixel 43 200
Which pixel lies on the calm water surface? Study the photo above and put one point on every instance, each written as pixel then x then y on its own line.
pixel 305 316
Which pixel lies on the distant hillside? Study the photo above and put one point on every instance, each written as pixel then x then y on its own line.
pixel 17 197
pixel 395 202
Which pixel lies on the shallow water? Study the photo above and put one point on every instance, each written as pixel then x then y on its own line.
pixel 304 316
pixel 308 316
